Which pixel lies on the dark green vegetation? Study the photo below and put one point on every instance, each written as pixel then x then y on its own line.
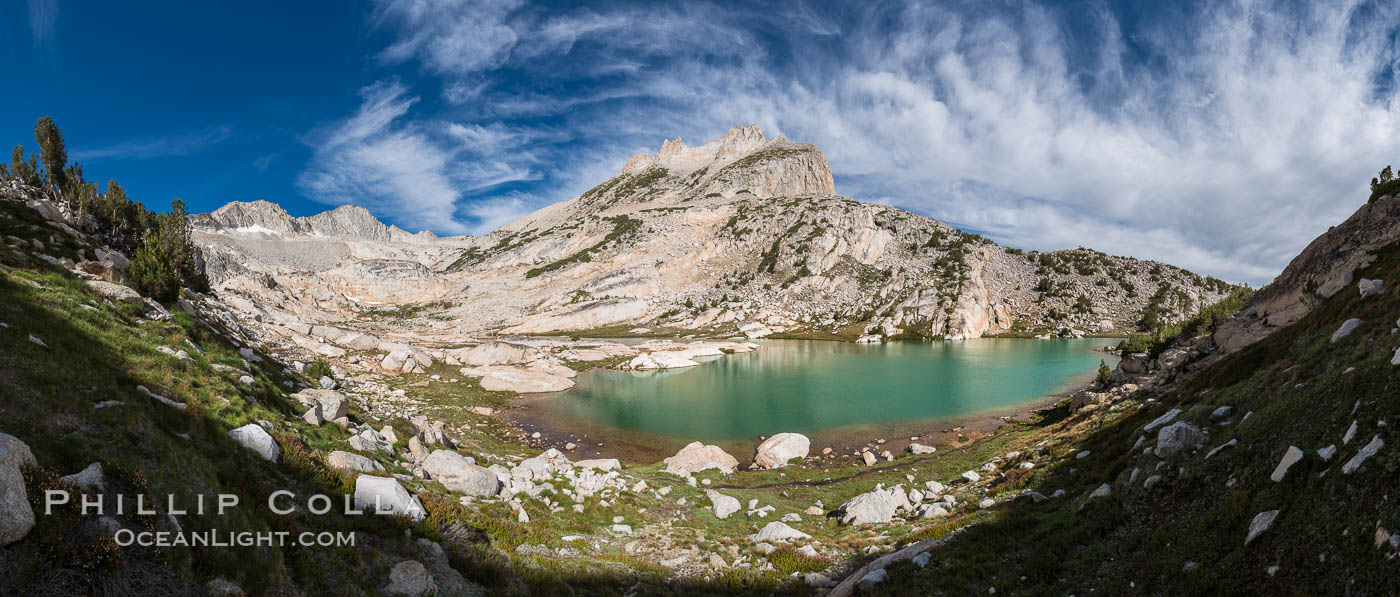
pixel 163 258
pixel 318 369
pixel 104 353
pixel 1186 535
pixel 1384 184
pixel 1162 334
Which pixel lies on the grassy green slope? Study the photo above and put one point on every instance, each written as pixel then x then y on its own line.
pixel 99 351
pixel 1186 535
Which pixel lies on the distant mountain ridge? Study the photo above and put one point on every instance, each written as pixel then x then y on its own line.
pixel 268 217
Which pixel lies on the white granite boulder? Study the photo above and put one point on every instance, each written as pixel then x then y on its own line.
pixel 456 473
pixel 255 438
pixel 696 457
pixel 523 381
pixel 777 531
pixel 386 496
pixel 724 505
pixel 16 517
pixel 350 462
pixel 776 451
pixel 874 507
pixel 1178 437
pixel 333 404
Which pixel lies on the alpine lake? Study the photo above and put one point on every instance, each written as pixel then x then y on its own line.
pixel 837 393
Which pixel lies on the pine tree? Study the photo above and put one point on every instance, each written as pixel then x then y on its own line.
pixel 1386 174
pixel 1105 374
pixel 151 273
pixel 26 172
pixel 119 215
pixel 168 258
pixel 54 154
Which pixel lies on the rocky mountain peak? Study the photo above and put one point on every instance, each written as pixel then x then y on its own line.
pixel 348 220
pixel 265 217
pixel 738 143
pixel 260 215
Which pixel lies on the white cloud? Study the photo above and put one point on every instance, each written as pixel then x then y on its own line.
pixel 371 160
pixel 1221 140
pixel 414 172
pixel 43 16
pixel 491 214
pixel 450 36
pixel 174 144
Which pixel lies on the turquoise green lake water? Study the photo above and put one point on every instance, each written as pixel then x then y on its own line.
pixel 807 386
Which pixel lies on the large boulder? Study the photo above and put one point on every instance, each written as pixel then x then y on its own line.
pixel 1178 437
pixel 448 580
pixel 542 467
pixel 410 579
pixel 350 462
pixel 456 473
pixel 495 353
pixel 254 438
pixel 643 362
pixel 334 405
pixel 115 292
pixel 724 505
pixel 1085 398
pixel 1135 363
pixel 1346 329
pixel 16 517
pixel 776 451
pixel 103 270
pixel 601 464
pixel 386 496
pixel 552 368
pixel 696 457
pixel 523 381
pixel 358 341
pixel 874 507
pixel 777 531
pixel 1367 451
pixel 89 479
pixel 403 360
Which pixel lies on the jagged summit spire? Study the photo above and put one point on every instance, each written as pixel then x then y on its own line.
pixel 676 156
pixel 742 138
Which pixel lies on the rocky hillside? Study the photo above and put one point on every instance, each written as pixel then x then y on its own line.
pixel 1262 464
pixel 1327 266
pixel 742 234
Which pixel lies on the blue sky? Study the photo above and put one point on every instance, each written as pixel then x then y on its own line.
pixel 1219 136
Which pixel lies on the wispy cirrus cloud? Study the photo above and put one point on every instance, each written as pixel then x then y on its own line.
pixel 416 171
pixel 171 145
pixel 43 17
pixel 1220 137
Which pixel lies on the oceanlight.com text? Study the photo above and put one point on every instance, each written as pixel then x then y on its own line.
pixel 127 538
